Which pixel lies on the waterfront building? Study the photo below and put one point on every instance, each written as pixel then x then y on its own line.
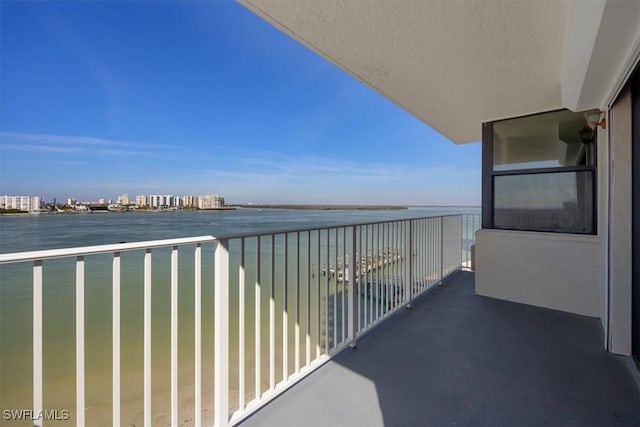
pixel 189 201
pixel 102 201
pixel 141 201
pixel 23 203
pixel 157 201
pixel 210 201
pixel 71 201
pixel 123 199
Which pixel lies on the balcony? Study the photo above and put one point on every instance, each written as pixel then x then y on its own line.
pixel 460 359
pixel 208 330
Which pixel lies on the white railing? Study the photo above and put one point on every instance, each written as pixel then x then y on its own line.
pixel 284 303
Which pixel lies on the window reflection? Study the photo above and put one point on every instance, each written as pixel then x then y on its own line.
pixel 559 202
pixel 555 139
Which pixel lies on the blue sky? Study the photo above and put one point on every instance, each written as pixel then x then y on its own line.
pixel 103 98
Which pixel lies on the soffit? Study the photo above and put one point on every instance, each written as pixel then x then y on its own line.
pixel 451 63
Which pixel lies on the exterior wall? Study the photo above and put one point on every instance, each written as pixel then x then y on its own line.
pixel 620 225
pixel 557 271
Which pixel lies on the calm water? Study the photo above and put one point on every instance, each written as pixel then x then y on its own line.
pixel 34 232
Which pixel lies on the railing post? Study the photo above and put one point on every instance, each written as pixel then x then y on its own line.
pixel 37 340
pixel 80 371
pixel 459 265
pixel 408 263
pixel 441 249
pixel 352 306
pixel 221 334
pixel 147 421
pixel 197 328
pixel 116 338
pixel 174 336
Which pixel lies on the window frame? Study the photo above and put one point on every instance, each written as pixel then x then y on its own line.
pixel 488 180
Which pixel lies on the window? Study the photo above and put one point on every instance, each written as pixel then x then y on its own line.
pixel 539 173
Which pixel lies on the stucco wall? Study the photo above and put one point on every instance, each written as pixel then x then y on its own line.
pixel 620 225
pixel 558 271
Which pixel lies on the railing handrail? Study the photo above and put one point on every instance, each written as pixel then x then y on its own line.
pixel 13 257
pixel 99 249
pixel 262 233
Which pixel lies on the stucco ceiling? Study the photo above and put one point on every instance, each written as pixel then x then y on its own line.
pixel 451 63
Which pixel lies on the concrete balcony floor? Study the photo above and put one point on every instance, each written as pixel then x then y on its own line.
pixel 461 359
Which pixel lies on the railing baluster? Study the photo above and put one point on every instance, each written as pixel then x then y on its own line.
pixel 272 317
pixel 424 238
pixel 343 271
pixel 80 341
pixel 174 336
pixel 221 334
pixel 147 338
pixel 421 262
pixel 378 268
pixel 430 250
pixel 385 270
pixel 352 288
pixel 390 278
pixel 358 264
pixel 198 333
pixel 285 321
pixel 365 288
pixel 115 319
pixel 241 326
pixel 435 246
pixel 308 308
pixel 258 321
pixel 327 296
pixel 395 265
pixel 297 312
pixel 37 340
pixel 318 297
pixel 440 251
pixel 408 261
pixel 335 294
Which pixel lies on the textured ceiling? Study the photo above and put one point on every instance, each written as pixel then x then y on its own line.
pixel 451 63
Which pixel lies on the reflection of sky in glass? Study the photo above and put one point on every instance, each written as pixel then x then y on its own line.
pixel 535 191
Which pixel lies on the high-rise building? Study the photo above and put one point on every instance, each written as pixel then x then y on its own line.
pixel 141 201
pixel 210 201
pixel 189 201
pixel 157 201
pixel 23 203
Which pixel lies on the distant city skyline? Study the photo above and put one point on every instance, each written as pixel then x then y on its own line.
pixel 104 98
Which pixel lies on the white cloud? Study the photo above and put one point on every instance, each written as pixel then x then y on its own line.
pixel 77 144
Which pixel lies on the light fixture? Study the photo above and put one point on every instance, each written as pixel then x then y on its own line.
pixel 594 120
